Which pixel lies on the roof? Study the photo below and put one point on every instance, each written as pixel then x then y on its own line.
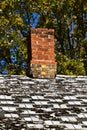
pixel 43 104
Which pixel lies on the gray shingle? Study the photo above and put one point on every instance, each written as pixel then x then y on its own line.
pixel 43 104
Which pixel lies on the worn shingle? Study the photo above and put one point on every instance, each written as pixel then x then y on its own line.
pixel 43 104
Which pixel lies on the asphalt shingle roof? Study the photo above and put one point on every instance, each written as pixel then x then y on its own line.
pixel 43 104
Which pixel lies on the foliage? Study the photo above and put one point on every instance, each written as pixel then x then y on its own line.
pixel 83 53
pixel 67 17
pixel 70 67
pixel 13 35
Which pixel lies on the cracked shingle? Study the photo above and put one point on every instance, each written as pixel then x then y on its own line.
pixel 43 104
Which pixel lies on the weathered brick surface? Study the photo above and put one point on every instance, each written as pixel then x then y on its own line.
pixel 43 70
pixel 42 52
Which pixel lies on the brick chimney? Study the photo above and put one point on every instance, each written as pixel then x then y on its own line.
pixel 41 53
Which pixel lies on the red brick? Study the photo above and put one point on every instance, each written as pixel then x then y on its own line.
pixel 42 47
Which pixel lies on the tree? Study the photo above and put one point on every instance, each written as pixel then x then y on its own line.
pixel 14 28
pixel 67 17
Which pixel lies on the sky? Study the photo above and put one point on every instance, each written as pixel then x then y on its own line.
pixel 13 56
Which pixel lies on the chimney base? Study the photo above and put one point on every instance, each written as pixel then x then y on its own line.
pixel 44 69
